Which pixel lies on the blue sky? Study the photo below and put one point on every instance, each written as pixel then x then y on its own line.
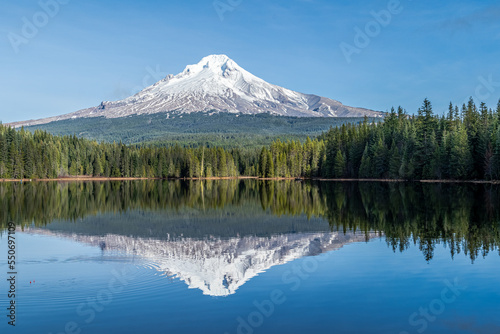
pixel 89 51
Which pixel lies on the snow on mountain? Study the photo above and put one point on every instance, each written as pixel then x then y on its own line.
pixel 216 83
pixel 216 266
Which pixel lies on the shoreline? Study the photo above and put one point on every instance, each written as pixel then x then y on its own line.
pixel 100 179
pixel 408 181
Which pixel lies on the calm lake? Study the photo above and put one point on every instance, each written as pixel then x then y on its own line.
pixel 249 256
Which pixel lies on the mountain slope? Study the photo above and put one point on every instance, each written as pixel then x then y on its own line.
pixel 216 83
pixel 197 129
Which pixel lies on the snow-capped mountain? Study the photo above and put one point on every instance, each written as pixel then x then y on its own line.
pixel 216 266
pixel 216 83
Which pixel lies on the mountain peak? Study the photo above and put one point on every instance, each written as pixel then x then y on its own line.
pixel 217 64
pixel 215 59
pixel 216 82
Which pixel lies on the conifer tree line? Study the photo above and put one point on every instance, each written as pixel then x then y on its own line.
pixel 41 155
pixel 463 144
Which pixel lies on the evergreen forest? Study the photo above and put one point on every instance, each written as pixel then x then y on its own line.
pixel 464 144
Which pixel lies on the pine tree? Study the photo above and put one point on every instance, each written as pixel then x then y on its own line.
pixel 394 161
pixel 380 162
pixel 365 167
pixel 340 164
pixel 270 165
pixel 460 156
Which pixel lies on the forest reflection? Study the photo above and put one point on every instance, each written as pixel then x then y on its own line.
pixel 464 217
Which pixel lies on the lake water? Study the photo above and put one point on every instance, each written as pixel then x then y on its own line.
pixel 248 256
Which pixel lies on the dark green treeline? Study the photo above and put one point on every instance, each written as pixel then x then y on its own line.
pixel 463 145
pixel 466 218
pixel 40 155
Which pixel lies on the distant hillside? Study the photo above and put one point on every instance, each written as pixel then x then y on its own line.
pixel 195 129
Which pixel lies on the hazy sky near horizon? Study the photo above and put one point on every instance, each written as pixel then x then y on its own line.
pixel 85 52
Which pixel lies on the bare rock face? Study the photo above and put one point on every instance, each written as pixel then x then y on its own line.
pixel 216 83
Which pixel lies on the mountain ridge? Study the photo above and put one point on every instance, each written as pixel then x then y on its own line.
pixel 216 83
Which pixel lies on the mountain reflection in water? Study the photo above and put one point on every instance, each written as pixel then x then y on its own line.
pixel 464 217
pixel 216 266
